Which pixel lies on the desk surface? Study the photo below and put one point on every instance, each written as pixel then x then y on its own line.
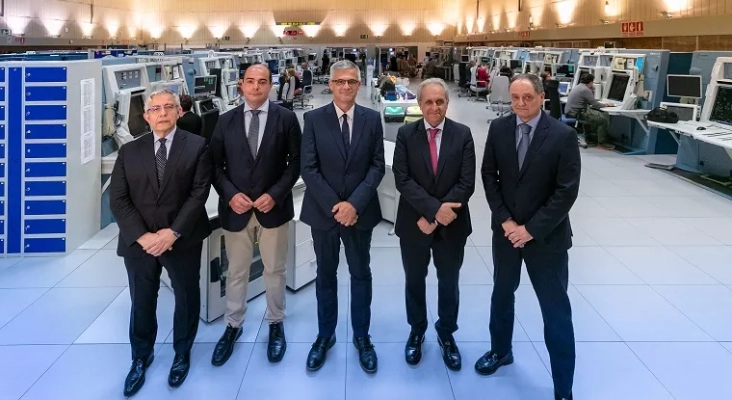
pixel 619 111
pixel 712 134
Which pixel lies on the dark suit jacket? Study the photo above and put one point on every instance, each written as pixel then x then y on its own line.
pixel 331 177
pixel 422 193
pixel 140 206
pixel 191 122
pixel 541 194
pixel 275 170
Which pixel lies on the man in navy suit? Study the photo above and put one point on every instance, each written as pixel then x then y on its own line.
pixel 256 155
pixel 531 173
pixel 434 171
pixel 342 165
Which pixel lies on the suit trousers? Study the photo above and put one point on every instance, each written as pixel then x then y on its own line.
pixel 357 244
pixel 144 278
pixel 240 251
pixel 549 274
pixel 448 257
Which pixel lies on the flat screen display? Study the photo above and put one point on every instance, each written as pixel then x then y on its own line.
pixel 722 109
pixel 684 86
pixel 135 121
pixel 204 84
pixel 618 86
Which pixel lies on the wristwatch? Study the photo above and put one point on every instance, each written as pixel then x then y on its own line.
pixel 176 234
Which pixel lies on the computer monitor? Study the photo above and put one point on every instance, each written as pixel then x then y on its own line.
pixel 135 121
pixel 205 85
pixel 515 65
pixel 565 69
pixel 618 86
pixel 684 86
pixel 685 112
pixel 563 88
pixel 465 58
pixel 548 68
pixel 722 109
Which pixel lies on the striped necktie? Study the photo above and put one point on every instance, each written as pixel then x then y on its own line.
pixel 161 157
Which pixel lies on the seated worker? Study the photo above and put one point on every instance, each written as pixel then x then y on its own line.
pixel 188 120
pixel 581 104
pixel 430 69
pixel 482 76
pixel 506 71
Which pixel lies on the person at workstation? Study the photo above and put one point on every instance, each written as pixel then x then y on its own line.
pixel 430 69
pixel 189 121
pixel 581 104
pixel 482 76
pixel 255 152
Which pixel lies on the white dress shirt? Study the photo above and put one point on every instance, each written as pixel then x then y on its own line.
pixel 349 114
pixel 264 110
pixel 168 142
pixel 438 137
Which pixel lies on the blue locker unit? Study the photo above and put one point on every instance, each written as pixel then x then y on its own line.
pixel 40 226
pixel 45 169
pixel 45 93
pixel 48 186
pixel 45 131
pixel 45 207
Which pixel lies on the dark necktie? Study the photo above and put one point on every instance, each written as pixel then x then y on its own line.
pixel 433 148
pixel 346 133
pixel 253 136
pixel 161 157
pixel 523 145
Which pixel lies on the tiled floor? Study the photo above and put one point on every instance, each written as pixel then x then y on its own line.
pixel 651 290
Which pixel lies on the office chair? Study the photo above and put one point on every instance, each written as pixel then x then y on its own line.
pixel 307 89
pixel 552 90
pixel 500 98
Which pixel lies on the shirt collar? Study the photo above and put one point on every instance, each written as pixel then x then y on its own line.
pixel 533 123
pixel 441 126
pixel 263 108
pixel 169 137
pixel 340 112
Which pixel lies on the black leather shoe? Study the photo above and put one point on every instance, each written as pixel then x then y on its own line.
pixel 316 357
pixel 413 349
pixel 179 369
pixel 450 353
pixel 558 397
pixel 366 354
pixel 225 346
pixel 277 343
pixel 490 362
pixel 136 377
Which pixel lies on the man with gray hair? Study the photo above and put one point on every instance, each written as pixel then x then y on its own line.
pixel 531 175
pixel 342 162
pixel 434 171
pixel 159 188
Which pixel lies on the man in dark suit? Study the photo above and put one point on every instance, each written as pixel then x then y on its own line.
pixel 189 121
pixel 158 193
pixel 256 155
pixel 434 172
pixel 342 165
pixel 531 173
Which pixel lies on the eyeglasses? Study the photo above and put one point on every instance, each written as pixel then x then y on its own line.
pixel 350 82
pixel 159 109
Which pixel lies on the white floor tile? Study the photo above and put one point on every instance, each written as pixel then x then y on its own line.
pixel 85 372
pixel 714 260
pixel 586 207
pixel 588 325
pixel 473 271
pixel 658 265
pixel 395 378
pixel 717 228
pixel 672 232
pixel 204 381
pixel 684 207
pixel 103 269
pixel 112 326
pixel 596 266
pixel 486 254
pixel 211 332
pixel 614 232
pixel 289 379
pixel 14 301
pixel 482 232
pixel 7 262
pixel 610 371
pixel 43 271
pixel 629 207
pixel 690 371
pixel 58 317
pixel 28 364
pixel 102 238
pixel 638 313
pixel 708 306
pixel 526 378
